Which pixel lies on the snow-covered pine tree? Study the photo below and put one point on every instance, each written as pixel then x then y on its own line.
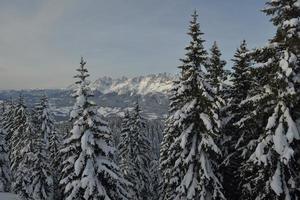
pixel 40 181
pixel 5 176
pixel 89 171
pixel 215 69
pixel 142 153
pixel 170 176
pixel 272 170
pixel 155 179
pixel 127 154
pixel 135 152
pixel 235 138
pixel 197 122
pixel 44 120
pixel 50 135
pixel 8 120
pixel 19 154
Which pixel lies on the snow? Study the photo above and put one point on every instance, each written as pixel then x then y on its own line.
pixel 205 118
pixel 9 196
pixel 276 183
pixel 154 83
pixel 284 64
pixel 292 132
pixel 292 22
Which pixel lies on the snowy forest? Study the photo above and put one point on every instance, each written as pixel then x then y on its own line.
pixel 229 134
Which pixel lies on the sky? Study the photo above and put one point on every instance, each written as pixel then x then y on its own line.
pixel 41 41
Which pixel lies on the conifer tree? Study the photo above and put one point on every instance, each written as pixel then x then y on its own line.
pixel 272 168
pixel 197 122
pixel 50 134
pixel 142 158
pixel 4 163
pixel 46 176
pixel 20 152
pixel 8 120
pixel 40 186
pixel 215 69
pixel 155 178
pixel 89 171
pixel 237 138
pixel 168 157
pixel 135 154
pixel 127 154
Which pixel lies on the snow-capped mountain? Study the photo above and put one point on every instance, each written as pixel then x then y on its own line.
pixel 141 85
pixel 113 95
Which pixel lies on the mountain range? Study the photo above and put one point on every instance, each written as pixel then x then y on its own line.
pixel 113 95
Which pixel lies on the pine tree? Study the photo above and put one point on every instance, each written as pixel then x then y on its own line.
pixel 40 186
pixel 215 70
pixel 155 178
pixel 272 169
pixel 20 152
pixel 235 138
pixel 89 171
pixel 5 176
pixel 135 152
pixel 216 76
pixel 8 120
pixel 142 159
pixel 45 123
pixel 51 138
pixel 127 154
pixel 195 148
pixel 167 157
pixel 43 175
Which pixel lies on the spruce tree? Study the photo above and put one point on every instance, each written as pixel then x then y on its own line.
pixel 142 158
pixel 5 175
pixel 40 186
pixel 272 168
pixel 127 154
pixel 215 69
pixel 235 138
pixel 8 119
pixel 168 157
pixel 42 182
pixel 135 152
pixel 21 150
pixel 197 121
pixel 89 171
pixel 51 139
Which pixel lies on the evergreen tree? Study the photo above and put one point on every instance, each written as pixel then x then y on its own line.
pixel 127 154
pixel 215 70
pixel 272 168
pixel 8 120
pixel 236 138
pixel 168 157
pixel 42 181
pixel 40 186
pixel 89 171
pixel 135 154
pixel 196 119
pixel 4 163
pixel 20 152
pixel 142 158
pixel 50 136
pixel 155 178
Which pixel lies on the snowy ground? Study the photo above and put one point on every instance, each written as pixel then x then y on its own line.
pixel 8 196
